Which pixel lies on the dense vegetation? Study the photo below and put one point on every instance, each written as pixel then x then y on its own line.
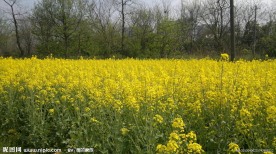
pixel 138 106
pixel 69 89
pixel 124 28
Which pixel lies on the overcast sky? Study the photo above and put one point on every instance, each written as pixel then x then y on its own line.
pixel 31 2
pixel 28 4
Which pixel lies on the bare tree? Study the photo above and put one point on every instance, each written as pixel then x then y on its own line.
pixel 11 4
pixel 4 35
pixel 249 15
pixel 102 16
pixel 216 17
pixel 123 4
pixel 190 17
pixel 166 5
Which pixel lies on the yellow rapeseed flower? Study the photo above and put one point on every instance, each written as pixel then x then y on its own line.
pixel 191 136
pixel 124 131
pixel 178 123
pixel 158 118
pixel 161 148
pixel 51 111
pixel 224 56
pixel 87 109
pixel 271 114
pixel 174 136
pixel 233 148
pixel 194 148
pixel 139 89
pixel 94 120
pixel 172 146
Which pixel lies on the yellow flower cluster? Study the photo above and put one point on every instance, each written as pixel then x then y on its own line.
pixel 94 120
pixel 180 142
pixel 271 114
pixel 194 148
pixel 178 123
pixel 224 56
pixel 51 111
pixel 233 148
pixel 124 131
pixel 158 118
pixel 245 122
pixel 219 100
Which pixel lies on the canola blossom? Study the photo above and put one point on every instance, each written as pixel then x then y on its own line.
pixel 233 148
pixel 138 106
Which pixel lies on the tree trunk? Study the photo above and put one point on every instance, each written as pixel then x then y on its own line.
pixel 232 24
pixel 123 28
pixel 255 33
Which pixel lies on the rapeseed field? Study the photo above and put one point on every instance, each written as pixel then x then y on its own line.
pixel 139 106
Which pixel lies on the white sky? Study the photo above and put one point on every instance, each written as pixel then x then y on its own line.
pixel 28 4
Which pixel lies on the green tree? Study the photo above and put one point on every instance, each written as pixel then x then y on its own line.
pixel 189 20
pixel 43 27
pixel 57 25
pixel 105 31
pixel 267 39
pixel 141 32
pixel 248 36
pixel 167 38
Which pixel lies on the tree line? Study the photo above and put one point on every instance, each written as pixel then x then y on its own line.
pixel 129 28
